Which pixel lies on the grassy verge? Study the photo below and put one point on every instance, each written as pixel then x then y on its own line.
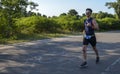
pixel 32 37
pixel 27 38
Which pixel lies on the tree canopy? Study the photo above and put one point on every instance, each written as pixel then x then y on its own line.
pixel 115 6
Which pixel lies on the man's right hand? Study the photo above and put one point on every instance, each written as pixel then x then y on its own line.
pixel 88 24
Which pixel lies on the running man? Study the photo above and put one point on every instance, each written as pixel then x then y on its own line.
pixel 89 36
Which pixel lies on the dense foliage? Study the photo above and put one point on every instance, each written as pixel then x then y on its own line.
pixel 15 20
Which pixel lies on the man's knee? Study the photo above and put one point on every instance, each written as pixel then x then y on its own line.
pixel 94 47
pixel 84 48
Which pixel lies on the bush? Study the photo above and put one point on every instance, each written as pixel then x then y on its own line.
pixel 26 24
pixel 69 23
pixel 109 24
pixel 46 26
pixel 36 24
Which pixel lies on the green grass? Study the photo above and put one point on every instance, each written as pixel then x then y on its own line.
pixel 26 38
pixel 32 37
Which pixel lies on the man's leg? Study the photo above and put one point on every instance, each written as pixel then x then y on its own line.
pixel 96 51
pixel 84 48
pixel 84 64
pixel 97 55
pixel 93 43
pixel 84 52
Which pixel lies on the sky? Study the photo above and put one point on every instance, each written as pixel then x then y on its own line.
pixel 56 7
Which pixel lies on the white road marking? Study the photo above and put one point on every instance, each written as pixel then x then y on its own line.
pixel 109 68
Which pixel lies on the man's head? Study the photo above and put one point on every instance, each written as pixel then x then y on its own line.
pixel 88 12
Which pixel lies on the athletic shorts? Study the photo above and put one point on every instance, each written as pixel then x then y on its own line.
pixel 92 41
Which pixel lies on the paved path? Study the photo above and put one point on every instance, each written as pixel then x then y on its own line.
pixel 61 56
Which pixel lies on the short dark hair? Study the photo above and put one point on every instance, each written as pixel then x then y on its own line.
pixel 89 9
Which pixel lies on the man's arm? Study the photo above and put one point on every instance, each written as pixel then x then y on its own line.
pixel 95 24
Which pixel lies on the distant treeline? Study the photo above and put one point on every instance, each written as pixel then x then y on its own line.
pixel 15 20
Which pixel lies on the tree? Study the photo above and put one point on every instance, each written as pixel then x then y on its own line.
pixel 17 8
pixel 63 14
pixel 73 12
pixel 94 15
pixel 115 6
pixel 13 9
pixel 44 16
pixel 101 15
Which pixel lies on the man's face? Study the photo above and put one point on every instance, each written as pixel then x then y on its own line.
pixel 88 13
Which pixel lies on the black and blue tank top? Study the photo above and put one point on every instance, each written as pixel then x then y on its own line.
pixel 89 30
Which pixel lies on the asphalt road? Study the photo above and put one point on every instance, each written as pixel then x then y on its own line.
pixel 61 56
